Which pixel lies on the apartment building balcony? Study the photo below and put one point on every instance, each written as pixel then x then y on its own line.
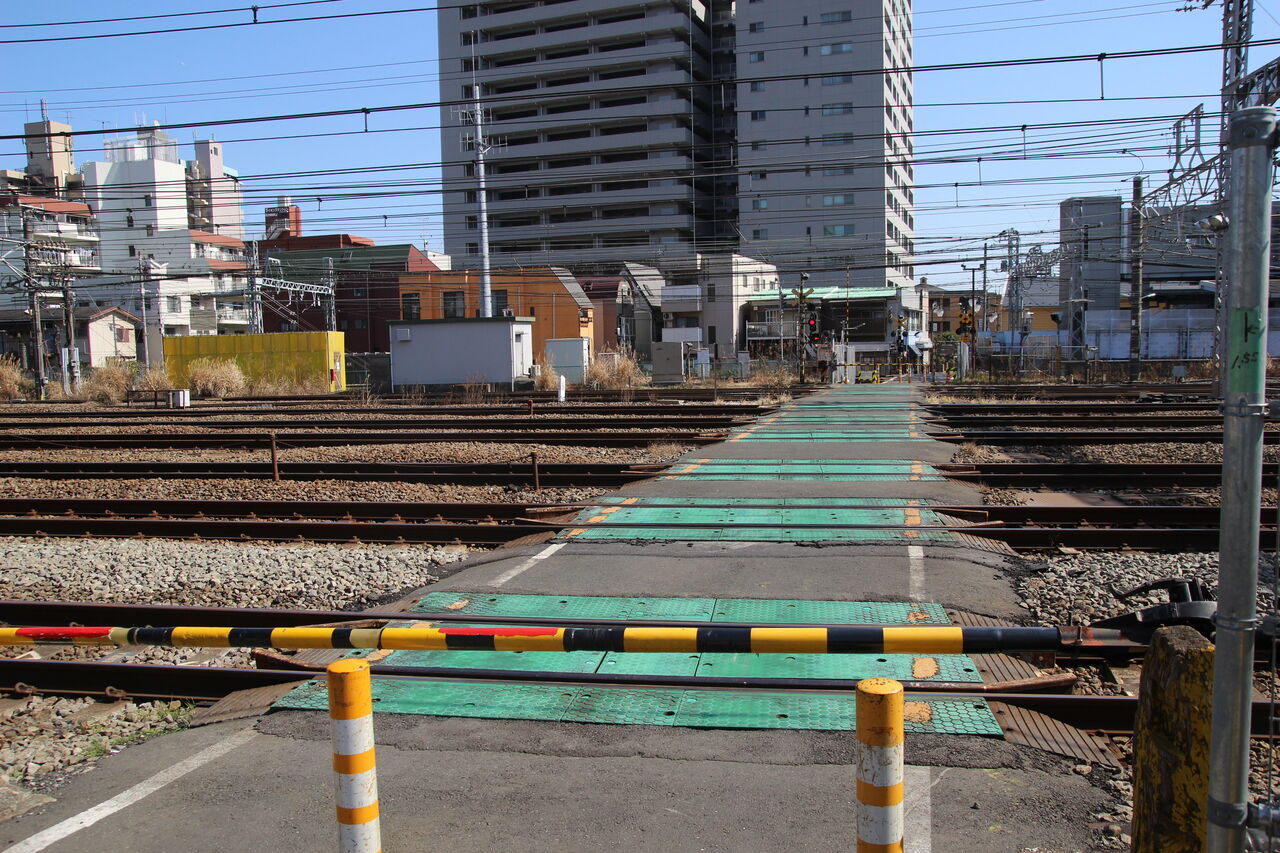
pixel 597 143
pixel 770 331
pixel 593 196
pixel 539 12
pixel 65 231
pixel 681 298
pixel 229 315
pixel 594 35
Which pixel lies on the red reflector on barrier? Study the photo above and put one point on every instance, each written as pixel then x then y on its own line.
pixel 57 633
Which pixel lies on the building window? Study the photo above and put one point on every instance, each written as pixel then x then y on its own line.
pixel 473 248
pixel 133 251
pixel 498 302
pixel 760 234
pixel 755 27
pixel 837 231
pixel 173 304
pixel 711 335
pixel 838 47
pixel 455 304
pixel 836 17
pixel 836 79
pixel 837 109
pixel 757 115
pixel 151 231
pixel 759 203
pixel 837 200
pixel 128 221
pixel 757 86
pixel 837 138
pixel 410 306
pixel 755 56
pixel 122 334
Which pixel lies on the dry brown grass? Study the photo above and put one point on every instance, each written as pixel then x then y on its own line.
pixel 107 384
pixel 771 377
pixel 153 379
pixel 13 381
pixel 216 377
pixel 547 379
pixel 285 386
pixel 475 390
pixel 616 371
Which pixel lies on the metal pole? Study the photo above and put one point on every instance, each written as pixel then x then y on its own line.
pixel 1136 243
pixel 69 324
pixel 486 299
pixel 881 767
pixel 351 713
pixel 1252 141
pixel 986 321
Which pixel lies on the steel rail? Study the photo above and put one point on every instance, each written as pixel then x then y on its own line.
pixel 1107 515
pixel 1090 475
pixel 1092 421
pixel 1084 436
pixel 39 441
pixel 477 422
pixel 515 472
pixel 174 681
pixel 201 411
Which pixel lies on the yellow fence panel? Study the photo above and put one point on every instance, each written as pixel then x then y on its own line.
pixel 300 358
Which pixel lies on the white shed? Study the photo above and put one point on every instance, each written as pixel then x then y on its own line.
pixel 497 350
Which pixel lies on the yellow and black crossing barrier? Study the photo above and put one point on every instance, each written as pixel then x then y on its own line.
pixel 857 639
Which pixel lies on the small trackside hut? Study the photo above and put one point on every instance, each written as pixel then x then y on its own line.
pixel 429 354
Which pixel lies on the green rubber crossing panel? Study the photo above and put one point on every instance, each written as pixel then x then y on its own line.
pixel 656 500
pixel 760 611
pixel 568 606
pixel 657 663
pixel 818 470
pixel 769 611
pixel 629 706
pixel 957 668
pixel 478 659
pixel 831 713
pixel 755 524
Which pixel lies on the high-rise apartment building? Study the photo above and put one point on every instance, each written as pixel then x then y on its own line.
pixel 659 131
pixel 601 116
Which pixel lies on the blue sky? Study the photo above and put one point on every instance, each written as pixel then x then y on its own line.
pixel 217 74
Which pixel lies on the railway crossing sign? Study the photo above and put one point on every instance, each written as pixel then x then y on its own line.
pixel 802 295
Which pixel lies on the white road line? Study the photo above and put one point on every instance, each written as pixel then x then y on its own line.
pixel 917 810
pixel 528 564
pixel 915 572
pixel 87 818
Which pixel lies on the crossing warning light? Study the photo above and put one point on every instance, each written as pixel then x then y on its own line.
pixel 814 335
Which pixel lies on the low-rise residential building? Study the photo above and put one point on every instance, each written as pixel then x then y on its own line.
pixel 551 296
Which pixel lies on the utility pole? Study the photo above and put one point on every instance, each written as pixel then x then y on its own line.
pixel 1252 141
pixel 330 299
pixel 482 147
pixel 254 295
pixel 986 320
pixel 143 348
pixel 1136 245
pixel 69 325
pixel 1076 298
pixel 33 294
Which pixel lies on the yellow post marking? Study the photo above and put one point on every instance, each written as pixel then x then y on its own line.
pixel 935 641
pixel 873 795
pixel 361 762
pixel 355 817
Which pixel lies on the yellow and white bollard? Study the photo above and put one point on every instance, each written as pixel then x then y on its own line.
pixel 351 710
pixel 880 765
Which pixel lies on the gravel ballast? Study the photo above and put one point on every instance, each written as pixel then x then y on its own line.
pixel 236 574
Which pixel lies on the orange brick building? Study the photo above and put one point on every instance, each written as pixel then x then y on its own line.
pixel 550 295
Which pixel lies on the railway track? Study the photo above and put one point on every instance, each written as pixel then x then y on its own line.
pixel 204 411
pixel 1089 436
pixel 479 423
pixel 463 473
pixel 1163 528
pixel 262 440
pixel 1098 476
